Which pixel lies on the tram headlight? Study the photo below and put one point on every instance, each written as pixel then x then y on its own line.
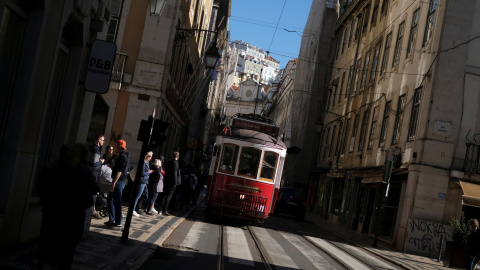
pixel 242 196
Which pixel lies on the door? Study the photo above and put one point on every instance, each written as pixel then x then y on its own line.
pixel 369 211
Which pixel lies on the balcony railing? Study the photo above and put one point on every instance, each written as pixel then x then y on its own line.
pixel 118 70
pixel 472 156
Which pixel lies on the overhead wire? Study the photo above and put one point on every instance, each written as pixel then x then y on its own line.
pixel 276 27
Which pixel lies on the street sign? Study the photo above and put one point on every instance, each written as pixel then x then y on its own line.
pixel 99 66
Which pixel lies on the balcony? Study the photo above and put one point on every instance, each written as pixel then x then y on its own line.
pixel 472 156
pixel 118 71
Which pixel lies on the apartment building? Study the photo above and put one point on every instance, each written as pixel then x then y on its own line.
pixel 403 89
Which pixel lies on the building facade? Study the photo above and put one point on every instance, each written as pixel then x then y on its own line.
pixel 248 98
pixel 401 90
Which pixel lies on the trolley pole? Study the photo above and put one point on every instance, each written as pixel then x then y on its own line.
pixel 382 201
pixel 136 183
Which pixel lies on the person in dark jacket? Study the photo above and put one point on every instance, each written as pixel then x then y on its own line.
pixel 119 179
pixel 171 181
pixel 143 181
pixel 109 156
pixel 473 244
pixel 67 180
pixel 155 186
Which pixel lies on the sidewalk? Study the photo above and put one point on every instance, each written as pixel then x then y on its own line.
pixel 102 249
pixel 387 252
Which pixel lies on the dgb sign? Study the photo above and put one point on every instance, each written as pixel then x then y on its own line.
pixel 99 67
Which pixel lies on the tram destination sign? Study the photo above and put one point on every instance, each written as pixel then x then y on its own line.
pixel 256 126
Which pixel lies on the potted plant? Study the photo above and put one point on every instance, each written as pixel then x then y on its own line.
pixel 456 250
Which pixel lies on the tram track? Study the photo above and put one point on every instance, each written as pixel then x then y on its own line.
pixel 355 254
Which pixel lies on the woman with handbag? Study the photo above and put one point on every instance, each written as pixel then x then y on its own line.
pixel 155 186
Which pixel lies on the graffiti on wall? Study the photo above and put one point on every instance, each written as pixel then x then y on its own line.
pixel 424 237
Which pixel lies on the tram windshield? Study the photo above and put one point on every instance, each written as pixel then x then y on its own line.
pixel 229 158
pixel 268 166
pixel 249 160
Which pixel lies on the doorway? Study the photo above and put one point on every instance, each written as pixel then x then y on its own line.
pixel 369 211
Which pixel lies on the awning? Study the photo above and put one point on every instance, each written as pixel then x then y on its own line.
pixel 471 194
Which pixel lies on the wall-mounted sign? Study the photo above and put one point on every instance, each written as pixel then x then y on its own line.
pixel 99 66
pixel 442 128
pixel 441 196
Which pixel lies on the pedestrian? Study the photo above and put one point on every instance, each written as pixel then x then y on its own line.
pixel 119 178
pixel 155 183
pixel 171 180
pixel 142 186
pixel 109 156
pixel 473 244
pixel 95 163
pixel 66 180
pixel 189 183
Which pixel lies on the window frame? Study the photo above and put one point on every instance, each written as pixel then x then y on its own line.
pixel 372 127
pixel 398 119
pixel 413 32
pixel 345 138
pixel 363 130
pixel 398 43
pixel 386 53
pixel 413 124
pixel 240 161
pixel 275 166
pixel 332 140
pixel 430 22
pixel 222 156
pixel 366 64
pixel 385 120
pixel 376 58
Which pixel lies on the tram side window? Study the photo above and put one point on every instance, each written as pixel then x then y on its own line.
pixel 229 159
pixel 249 160
pixel 216 153
pixel 268 166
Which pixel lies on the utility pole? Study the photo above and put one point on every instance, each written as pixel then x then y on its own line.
pixel 138 175
pixel 382 201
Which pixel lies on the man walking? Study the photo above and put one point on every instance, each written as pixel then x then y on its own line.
pixel 171 180
pixel 119 176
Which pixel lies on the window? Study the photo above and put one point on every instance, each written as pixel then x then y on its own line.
pixel 332 140
pixel 249 160
pixel 334 92
pixel 337 146
pixel 363 130
pixel 365 69
pixel 358 26
pixel 386 115
pixel 376 54
pixel 340 93
pixel 413 32
pixel 354 132
pixel 398 119
pixel 350 33
pixel 374 12
pixel 357 72
pixel 412 128
pixel 345 36
pixel 365 19
pixel 398 44
pixel 229 158
pixel 384 7
pixel 345 136
pixel 337 49
pixel 349 81
pixel 216 154
pixel 372 129
pixel 115 7
pixel 386 51
pixel 269 166
pixel 326 143
pixel 432 8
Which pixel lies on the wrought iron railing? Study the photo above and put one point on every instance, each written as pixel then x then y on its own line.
pixel 118 70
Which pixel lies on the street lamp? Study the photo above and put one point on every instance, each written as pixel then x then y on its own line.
pixel 156 7
pixel 212 56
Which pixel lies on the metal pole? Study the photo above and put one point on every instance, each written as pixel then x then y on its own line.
pixel 136 184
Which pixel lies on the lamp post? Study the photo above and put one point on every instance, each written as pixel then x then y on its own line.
pixel 212 56
pixel 156 7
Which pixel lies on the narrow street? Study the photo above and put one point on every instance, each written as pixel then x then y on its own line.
pixel 279 243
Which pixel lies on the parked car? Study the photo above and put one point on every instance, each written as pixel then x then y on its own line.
pixel 291 202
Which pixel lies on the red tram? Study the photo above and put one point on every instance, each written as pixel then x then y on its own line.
pixel 246 169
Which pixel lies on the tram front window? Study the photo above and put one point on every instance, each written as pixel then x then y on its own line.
pixel 229 158
pixel 249 160
pixel 268 166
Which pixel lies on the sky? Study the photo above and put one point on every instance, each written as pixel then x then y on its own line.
pixel 255 21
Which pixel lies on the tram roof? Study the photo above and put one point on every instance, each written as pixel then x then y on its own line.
pixel 253 137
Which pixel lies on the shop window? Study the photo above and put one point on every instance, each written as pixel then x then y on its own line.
pixel 249 160
pixel 229 158
pixel 269 166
